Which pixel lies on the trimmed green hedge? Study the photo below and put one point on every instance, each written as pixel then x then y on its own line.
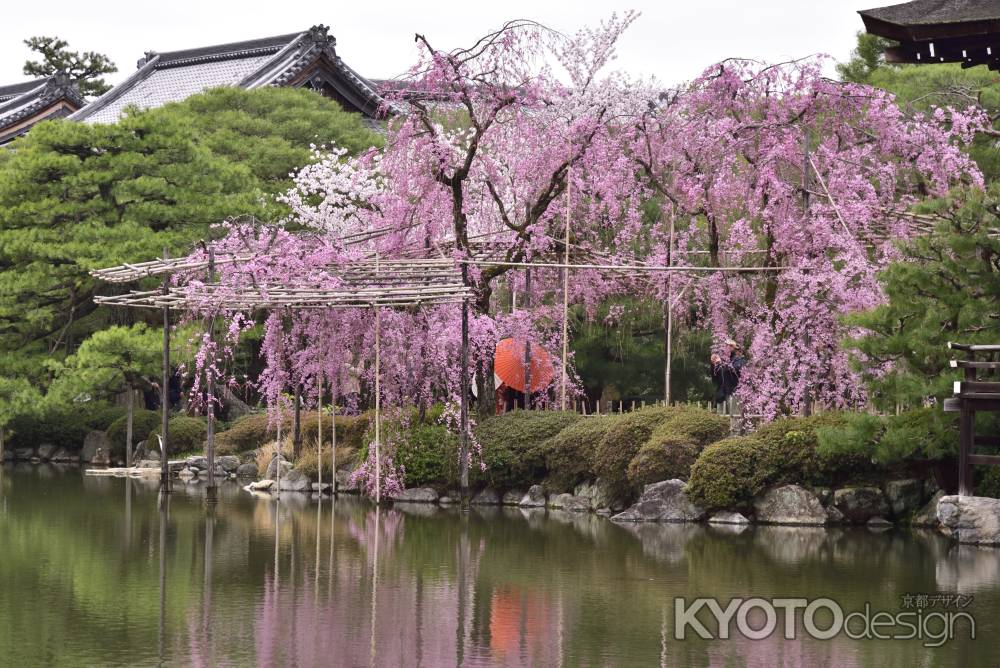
pixel 513 447
pixel 61 426
pixel 569 455
pixel 144 423
pixel 429 456
pixel 731 472
pixel 666 457
pixel 187 434
pixel 622 442
pixel 252 431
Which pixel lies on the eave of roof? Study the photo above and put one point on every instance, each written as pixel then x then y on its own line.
pixel 925 20
pixel 41 94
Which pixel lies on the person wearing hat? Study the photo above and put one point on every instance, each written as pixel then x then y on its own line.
pixel 726 372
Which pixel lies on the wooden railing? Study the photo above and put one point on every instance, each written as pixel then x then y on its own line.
pixel 973 395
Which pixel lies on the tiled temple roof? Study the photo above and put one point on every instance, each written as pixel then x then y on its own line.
pixel 24 104
pixel 300 59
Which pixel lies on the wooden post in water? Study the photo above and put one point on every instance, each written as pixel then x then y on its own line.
pixel 668 312
pixel 463 437
pixel 319 432
pixel 165 394
pixel 378 399
pixel 297 423
pixel 129 412
pixel 565 324
pixel 210 391
pixel 527 341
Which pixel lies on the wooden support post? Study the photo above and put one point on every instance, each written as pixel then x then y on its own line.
pixel 2 445
pixel 966 435
pixel 668 313
pixel 333 438
pixel 210 393
pixel 319 433
pixel 463 437
pixel 129 412
pixel 527 341
pixel 297 423
pixel 378 405
pixel 565 332
pixel 165 395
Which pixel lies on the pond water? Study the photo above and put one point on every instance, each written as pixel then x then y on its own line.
pixel 95 572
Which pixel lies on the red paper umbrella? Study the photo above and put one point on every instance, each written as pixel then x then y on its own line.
pixel 509 366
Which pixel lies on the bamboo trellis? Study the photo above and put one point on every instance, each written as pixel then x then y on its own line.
pixel 371 284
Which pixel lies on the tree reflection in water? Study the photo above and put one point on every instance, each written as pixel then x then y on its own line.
pixel 242 583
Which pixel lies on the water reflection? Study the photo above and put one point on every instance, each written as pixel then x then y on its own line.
pixel 313 582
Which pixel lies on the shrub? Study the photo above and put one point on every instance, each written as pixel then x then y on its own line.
pixel 307 460
pixel 513 446
pixel 702 426
pixel 726 474
pixel 921 434
pixel 428 454
pixel 569 455
pixel 663 457
pixel 187 434
pixel 58 425
pixel 144 423
pixel 252 431
pixel 622 442
pixel 100 416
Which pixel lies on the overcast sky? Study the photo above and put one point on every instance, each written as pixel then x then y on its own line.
pixel 672 40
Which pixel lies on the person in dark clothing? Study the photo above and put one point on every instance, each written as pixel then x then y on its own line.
pixel 726 373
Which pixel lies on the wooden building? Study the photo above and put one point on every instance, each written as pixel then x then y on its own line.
pixel 939 31
pixel 300 60
pixel 24 104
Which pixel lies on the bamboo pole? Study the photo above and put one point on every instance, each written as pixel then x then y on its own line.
pixel 668 306
pixel 129 412
pixel 565 323
pixel 210 427
pixel 333 438
pixel 378 401
pixel 463 438
pixel 527 341
pixel 165 396
pixel 319 437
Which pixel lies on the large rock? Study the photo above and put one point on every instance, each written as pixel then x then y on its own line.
pixel 344 484
pixel 512 497
pixel 140 452
pixel 148 464
pixel 570 503
pixel 663 501
pixel 904 496
pixel 860 504
pixel 295 481
pixel 486 497
pixel 94 441
pixel 416 495
pixel 598 495
pixel 927 517
pixel 228 463
pixel 261 486
pixel 789 504
pixel 24 454
pixel 197 462
pixel 246 471
pixel 272 468
pixel 726 517
pixel 970 519
pixel 534 498
pixel 45 451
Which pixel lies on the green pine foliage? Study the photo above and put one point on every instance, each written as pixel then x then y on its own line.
pixel 946 289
